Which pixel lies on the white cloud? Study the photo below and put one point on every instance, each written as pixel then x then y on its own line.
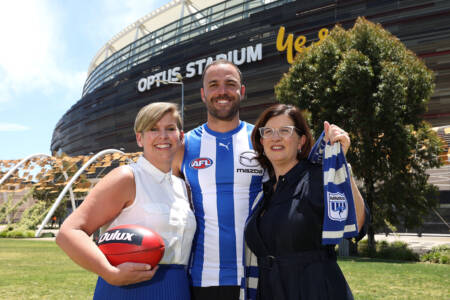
pixel 119 14
pixel 12 127
pixel 114 16
pixel 31 47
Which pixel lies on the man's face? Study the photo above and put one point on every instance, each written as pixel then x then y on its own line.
pixel 222 92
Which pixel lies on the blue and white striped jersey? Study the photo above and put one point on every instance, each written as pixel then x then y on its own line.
pixel 225 178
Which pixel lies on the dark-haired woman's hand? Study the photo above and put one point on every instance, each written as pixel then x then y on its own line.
pixel 334 133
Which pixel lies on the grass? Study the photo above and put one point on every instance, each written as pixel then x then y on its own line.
pixel 385 279
pixel 36 269
pixel 33 269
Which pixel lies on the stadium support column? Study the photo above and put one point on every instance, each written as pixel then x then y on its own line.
pixel 180 82
pixel 182 99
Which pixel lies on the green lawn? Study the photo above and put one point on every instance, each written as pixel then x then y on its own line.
pixel 33 269
pixel 384 279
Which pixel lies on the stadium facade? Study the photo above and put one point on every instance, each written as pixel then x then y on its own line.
pixel 184 35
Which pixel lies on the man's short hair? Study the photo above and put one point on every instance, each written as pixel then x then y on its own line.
pixel 222 62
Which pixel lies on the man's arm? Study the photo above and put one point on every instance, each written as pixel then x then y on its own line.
pixel 177 161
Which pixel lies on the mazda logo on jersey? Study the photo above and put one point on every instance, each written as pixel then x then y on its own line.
pixel 248 159
pixel 201 163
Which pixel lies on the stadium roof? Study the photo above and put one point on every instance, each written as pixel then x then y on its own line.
pixel 158 18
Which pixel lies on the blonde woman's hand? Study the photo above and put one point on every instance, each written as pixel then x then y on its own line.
pixel 129 273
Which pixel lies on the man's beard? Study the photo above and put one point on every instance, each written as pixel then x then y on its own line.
pixel 224 115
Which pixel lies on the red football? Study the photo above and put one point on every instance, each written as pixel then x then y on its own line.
pixel 131 243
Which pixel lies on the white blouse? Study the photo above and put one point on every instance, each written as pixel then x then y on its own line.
pixel 162 205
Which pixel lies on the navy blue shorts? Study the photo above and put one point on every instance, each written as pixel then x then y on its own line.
pixel 223 292
pixel 169 283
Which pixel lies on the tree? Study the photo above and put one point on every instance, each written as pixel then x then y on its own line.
pixel 44 179
pixel 366 81
pixel 52 180
pixel 9 209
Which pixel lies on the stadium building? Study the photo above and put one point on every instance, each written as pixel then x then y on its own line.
pixel 161 57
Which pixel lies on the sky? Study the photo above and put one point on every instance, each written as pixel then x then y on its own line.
pixel 46 49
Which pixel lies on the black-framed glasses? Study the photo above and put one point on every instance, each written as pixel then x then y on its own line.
pixel 284 131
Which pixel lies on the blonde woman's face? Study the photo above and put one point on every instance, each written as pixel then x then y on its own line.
pixel 161 142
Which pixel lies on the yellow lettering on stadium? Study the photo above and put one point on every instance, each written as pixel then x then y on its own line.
pixel 289 45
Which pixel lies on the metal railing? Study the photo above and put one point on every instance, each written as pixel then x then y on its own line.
pixel 182 30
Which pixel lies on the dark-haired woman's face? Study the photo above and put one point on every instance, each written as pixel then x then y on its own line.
pixel 281 148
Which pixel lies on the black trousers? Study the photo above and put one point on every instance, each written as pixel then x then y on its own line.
pixel 224 292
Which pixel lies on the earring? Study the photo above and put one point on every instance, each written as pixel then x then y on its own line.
pixel 299 150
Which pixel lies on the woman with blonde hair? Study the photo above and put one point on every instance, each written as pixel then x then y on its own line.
pixel 143 193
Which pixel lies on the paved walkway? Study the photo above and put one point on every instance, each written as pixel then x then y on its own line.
pixel 417 244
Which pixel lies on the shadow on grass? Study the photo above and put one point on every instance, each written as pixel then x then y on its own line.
pixel 375 260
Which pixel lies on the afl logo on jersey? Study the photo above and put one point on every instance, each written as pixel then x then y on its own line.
pixel 201 163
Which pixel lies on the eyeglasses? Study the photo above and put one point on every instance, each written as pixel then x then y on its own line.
pixel 284 132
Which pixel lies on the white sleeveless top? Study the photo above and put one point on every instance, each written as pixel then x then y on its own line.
pixel 162 205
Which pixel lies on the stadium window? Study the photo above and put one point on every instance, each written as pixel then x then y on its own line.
pixel 155 69
pixel 234 10
pixel 170 27
pixel 232 3
pixel 218 8
pixel 232 19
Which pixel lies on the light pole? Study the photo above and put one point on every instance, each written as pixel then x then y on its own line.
pixel 180 82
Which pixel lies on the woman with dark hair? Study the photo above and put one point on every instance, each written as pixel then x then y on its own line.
pixel 285 229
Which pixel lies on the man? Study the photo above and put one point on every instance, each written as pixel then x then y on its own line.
pixel 219 166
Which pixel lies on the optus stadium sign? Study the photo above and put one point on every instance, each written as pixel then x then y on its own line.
pixel 241 56
pixel 244 55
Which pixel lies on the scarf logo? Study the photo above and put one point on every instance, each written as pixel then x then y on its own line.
pixel 337 206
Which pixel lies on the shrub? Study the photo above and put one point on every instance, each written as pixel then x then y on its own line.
pixel 17 233
pixel 438 255
pixel 363 249
pixel 396 251
pixel 9 209
pixel 12 232
pixel 47 234
pixel 33 215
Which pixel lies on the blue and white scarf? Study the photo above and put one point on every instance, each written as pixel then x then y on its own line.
pixel 339 211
